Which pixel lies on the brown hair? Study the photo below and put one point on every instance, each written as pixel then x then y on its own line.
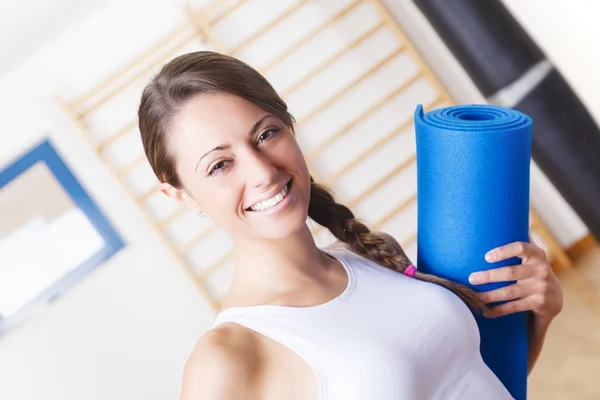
pixel 206 72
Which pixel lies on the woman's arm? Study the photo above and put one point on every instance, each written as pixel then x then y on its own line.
pixel 536 290
pixel 222 367
pixel 537 328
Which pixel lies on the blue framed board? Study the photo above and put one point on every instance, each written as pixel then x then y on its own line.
pixel 52 233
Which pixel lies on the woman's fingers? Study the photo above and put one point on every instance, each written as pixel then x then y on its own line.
pixel 505 274
pixel 525 304
pixel 523 250
pixel 506 293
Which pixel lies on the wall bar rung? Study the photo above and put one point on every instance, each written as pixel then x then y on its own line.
pixel 130 167
pixel 362 77
pixel 121 132
pixel 268 26
pixel 145 195
pixel 211 268
pixel 146 71
pixel 395 211
pixel 409 240
pixel 346 128
pixel 330 60
pixel 79 102
pixel 204 28
pixel 161 224
pixel 308 37
pixel 192 242
pixel 372 188
pixel 361 157
pixel 206 10
pixel 75 104
pixel 224 13
pixel 395 28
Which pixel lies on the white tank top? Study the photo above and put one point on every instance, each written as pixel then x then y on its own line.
pixel 386 337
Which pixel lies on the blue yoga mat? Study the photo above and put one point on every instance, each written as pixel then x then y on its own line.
pixel 473 195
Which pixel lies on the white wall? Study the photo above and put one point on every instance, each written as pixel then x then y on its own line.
pixel 125 331
pixel 566 32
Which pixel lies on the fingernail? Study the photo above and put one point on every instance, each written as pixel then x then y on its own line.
pixel 473 279
pixel 489 256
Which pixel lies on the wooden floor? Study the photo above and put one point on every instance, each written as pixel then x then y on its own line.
pixel 569 366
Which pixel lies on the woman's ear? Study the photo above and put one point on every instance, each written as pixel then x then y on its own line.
pixel 179 195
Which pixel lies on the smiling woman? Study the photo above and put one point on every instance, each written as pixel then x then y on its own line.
pixel 302 322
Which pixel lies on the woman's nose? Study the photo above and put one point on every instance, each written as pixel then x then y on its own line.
pixel 260 169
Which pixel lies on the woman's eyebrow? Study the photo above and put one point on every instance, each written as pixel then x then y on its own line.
pixel 220 147
pixel 258 123
pixel 253 130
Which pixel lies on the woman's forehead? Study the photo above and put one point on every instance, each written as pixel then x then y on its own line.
pixel 208 121
pixel 217 114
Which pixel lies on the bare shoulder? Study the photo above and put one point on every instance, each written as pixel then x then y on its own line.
pixel 222 366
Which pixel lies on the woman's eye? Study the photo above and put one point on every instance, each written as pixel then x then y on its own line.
pixel 219 167
pixel 268 134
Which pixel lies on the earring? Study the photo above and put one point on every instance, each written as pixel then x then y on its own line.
pixel 201 213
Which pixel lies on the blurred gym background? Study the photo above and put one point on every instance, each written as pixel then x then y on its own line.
pixel 105 285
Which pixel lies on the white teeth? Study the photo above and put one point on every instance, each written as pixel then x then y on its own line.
pixel 263 205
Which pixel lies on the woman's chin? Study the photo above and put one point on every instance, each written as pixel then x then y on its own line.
pixel 281 228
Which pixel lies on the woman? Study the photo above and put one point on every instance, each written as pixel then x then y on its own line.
pixel 351 321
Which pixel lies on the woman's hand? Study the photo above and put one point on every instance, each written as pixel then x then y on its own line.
pixel 536 287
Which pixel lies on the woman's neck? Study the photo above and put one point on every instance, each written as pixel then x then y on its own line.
pixel 266 269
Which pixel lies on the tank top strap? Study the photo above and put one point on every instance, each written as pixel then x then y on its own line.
pixel 239 317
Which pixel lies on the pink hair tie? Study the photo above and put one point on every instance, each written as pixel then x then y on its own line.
pixel 410 271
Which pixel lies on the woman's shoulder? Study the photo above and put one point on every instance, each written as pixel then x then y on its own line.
pixel 221 365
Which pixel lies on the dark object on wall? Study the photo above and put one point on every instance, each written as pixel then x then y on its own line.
pixel 567 148
pixel 511 71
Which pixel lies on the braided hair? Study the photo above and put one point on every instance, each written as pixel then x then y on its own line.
pixel 341 222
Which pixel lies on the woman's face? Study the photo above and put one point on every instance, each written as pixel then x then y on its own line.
pixel 240 165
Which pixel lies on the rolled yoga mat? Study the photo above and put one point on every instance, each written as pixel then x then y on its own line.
pixel 510 69
pixel 473 165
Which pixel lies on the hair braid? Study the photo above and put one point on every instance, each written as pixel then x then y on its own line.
pixel 341 222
